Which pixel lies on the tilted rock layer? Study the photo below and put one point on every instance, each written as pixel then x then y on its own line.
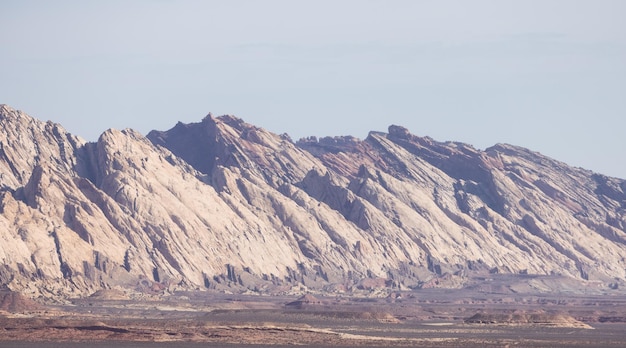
pixel 222 203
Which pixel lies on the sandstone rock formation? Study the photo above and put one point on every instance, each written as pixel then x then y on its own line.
pixel 224 204
pixel 527 318
pixel 13 302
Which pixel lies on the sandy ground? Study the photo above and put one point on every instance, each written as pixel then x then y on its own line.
pixel 417 319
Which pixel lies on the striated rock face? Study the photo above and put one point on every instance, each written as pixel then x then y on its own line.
pixel 224 204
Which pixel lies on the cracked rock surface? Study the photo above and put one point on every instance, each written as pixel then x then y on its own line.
pixel 222 204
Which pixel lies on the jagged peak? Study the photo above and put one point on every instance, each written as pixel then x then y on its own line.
pixel 518 151
pixel 505 147
pixel 180 125
pixel 399 131
pixel 232 120
pixel 4 109
pixel 402 133
pixel 14 115
pixel 8 112
pixel 109 133
pixel 334 144
pixel 113 135
pixel 211 121
pixel 208 118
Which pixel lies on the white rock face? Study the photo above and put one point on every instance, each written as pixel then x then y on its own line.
pixel 224 204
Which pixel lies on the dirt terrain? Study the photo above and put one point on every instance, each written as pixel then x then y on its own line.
pixel 425 318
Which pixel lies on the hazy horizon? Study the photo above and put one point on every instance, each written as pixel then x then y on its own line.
pixel 546 75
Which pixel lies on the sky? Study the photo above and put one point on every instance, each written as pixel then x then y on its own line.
pixel 547 75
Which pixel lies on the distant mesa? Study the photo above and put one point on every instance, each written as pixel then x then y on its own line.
pixel 304 300
pixel 527 318
pixel 14 302
pixel 109 294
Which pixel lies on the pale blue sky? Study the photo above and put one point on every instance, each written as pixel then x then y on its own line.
pixel 546 75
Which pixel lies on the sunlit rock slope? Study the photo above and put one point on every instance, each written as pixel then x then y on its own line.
pixel 222 204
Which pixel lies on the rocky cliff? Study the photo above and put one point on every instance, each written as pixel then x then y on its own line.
pixel 222 204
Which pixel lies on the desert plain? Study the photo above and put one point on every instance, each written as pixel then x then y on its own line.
pixel 494 312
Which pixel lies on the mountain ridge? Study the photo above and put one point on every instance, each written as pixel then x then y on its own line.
pixel 222 204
